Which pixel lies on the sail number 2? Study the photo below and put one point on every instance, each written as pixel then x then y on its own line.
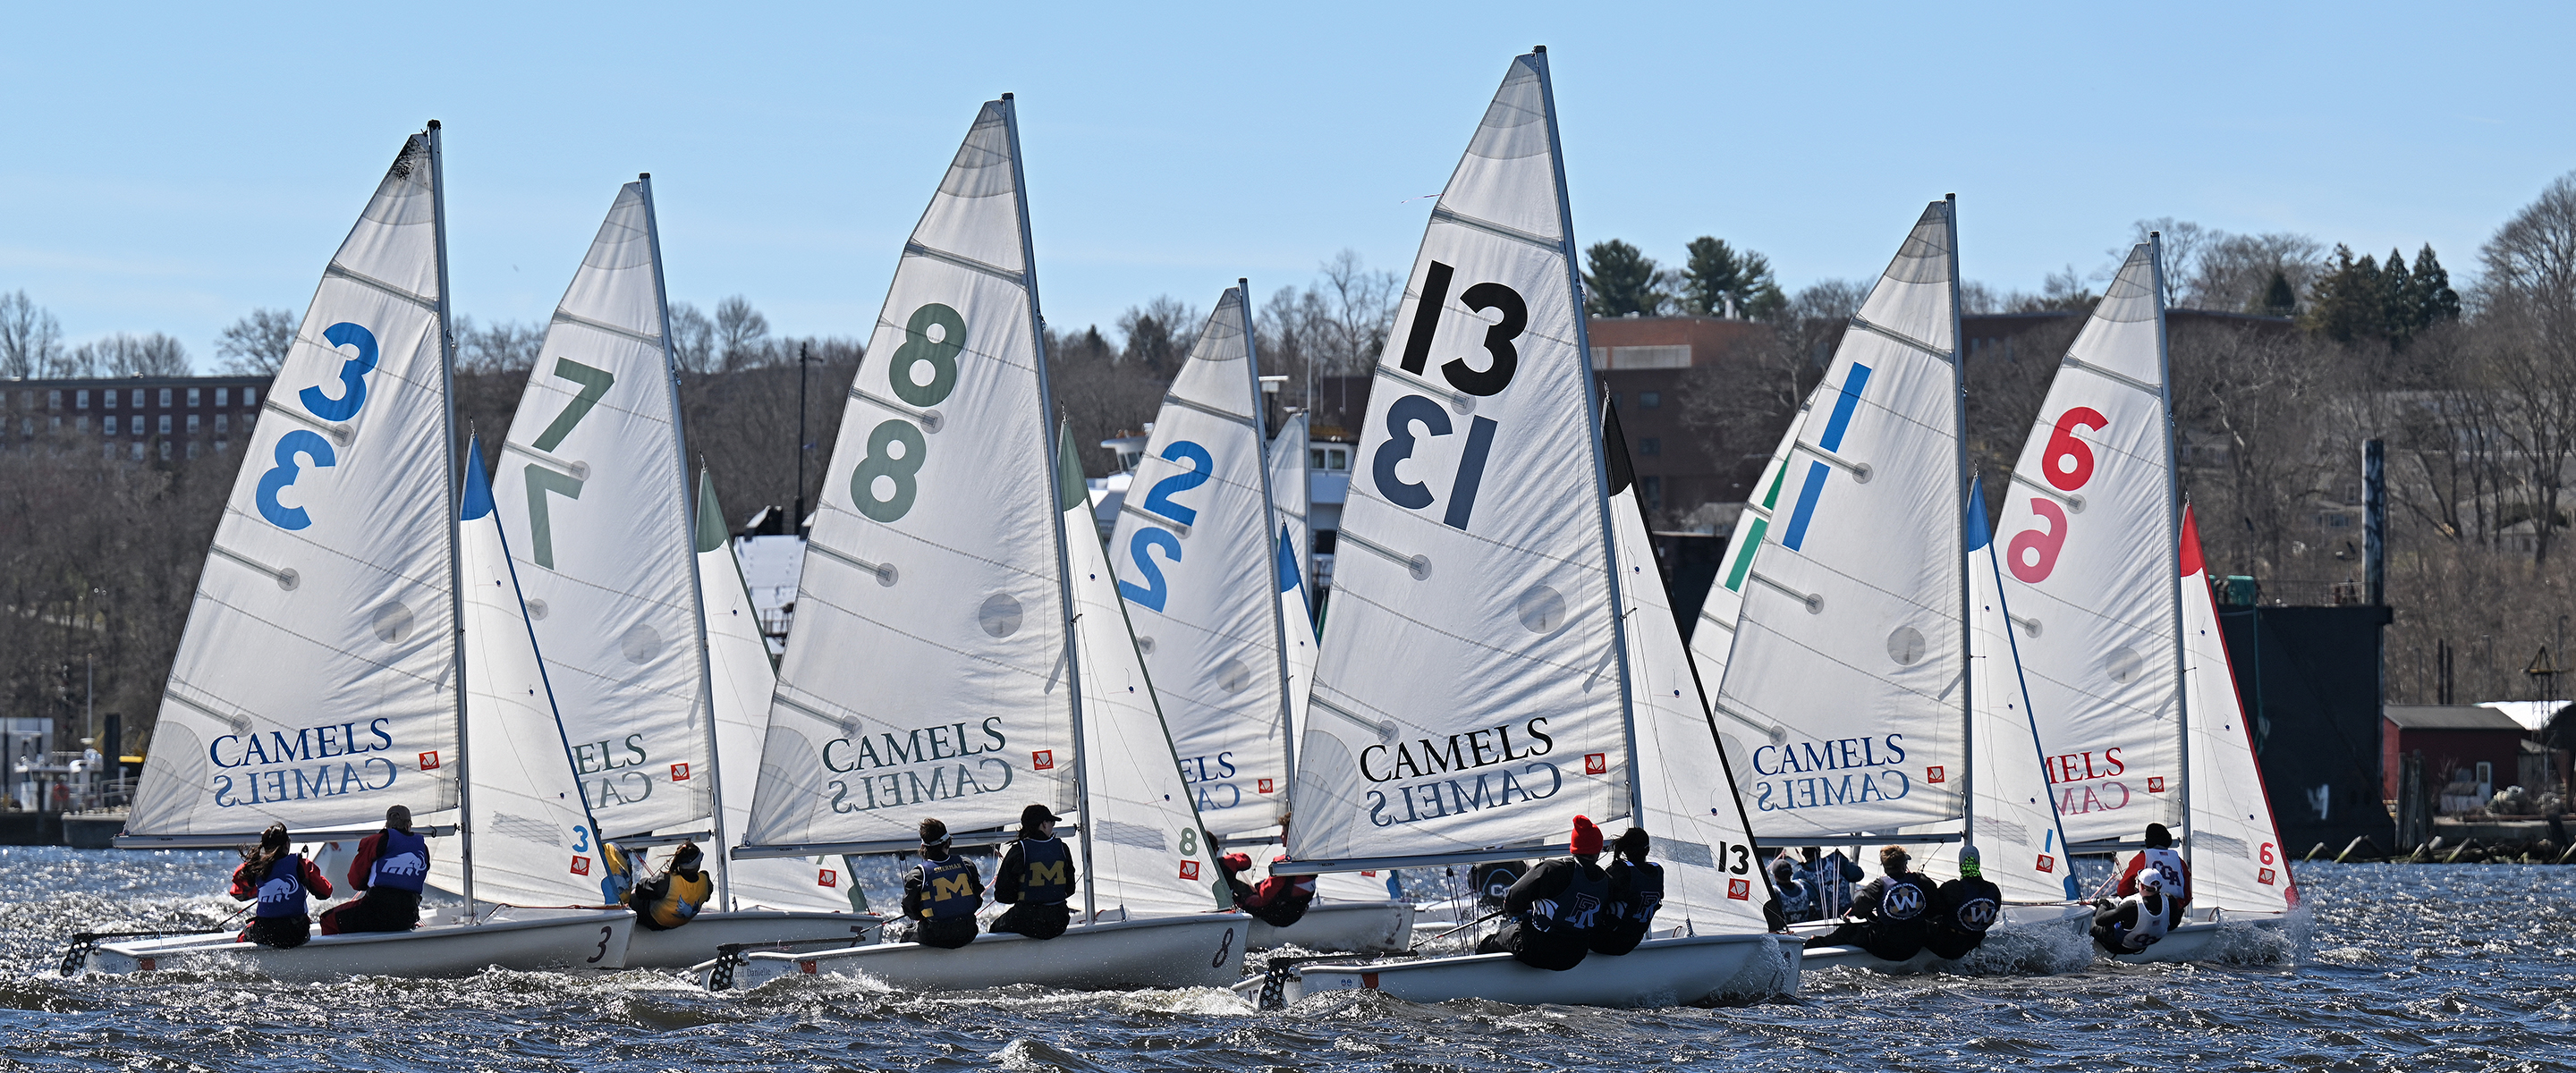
pixel 895 447
pixel 308 443
pixel 2067 464
pixel 1402 416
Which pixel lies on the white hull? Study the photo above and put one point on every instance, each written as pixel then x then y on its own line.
pixel 2200 940
pixel 1193 951
pixel 518 939
pixel 1660 972
pixel 1343 927
pixel 697 940
pixel 2057 927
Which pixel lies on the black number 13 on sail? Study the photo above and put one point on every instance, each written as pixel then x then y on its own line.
pixel 1414 412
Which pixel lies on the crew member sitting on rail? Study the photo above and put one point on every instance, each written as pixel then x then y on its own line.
pixel 672 898
pixel 1963 909
pixel 941 897
pixel 2135 922
pixel 390 868
pixel 1797 895
pixel 1555 907
pixel 1887 916
pixel 1636 891
pixel 1279 900
pixel 1035 879
pixel 2159 857
pixel 279 881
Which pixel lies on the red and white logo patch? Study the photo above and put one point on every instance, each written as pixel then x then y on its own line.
pixel 807 967
pixel 1936 774
pixel 1043 760
pixel 2047 863
pixel 581 866
pixel 827 878
pixel 2264 877
pixel 1596 763
pixel 1740 889
pixel 429 761
pixel 1371 875
pixel 2155 784
pixel 1263 785
pixel 1189 869
pixel 679 773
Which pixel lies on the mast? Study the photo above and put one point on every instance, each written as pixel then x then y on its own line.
pixel 689 539
pixel 455 524
pixel 1055 482
pixel 1967 482
pixel 1270 534
pixel 2173 529
pixel 1600 461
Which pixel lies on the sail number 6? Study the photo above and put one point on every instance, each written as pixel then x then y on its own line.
pixel 896 449
pixel 2067 464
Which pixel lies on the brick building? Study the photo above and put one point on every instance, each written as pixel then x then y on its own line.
pixel 133 418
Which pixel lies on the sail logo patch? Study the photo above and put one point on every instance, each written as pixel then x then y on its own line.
pixel 2047 863
pixel 1740 889
pixel 1189 869
pixel 679 773
pixel 827 878
pixel 1042 760
pixel 581 866
pixel 1596 763
pixel 1936 773
pixel 2155 784
pixel 2265 877
pixel 1263 784
pixel 429 761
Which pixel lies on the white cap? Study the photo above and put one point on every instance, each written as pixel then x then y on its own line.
pixel 2151 880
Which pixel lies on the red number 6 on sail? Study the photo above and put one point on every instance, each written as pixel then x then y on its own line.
pixel 2033 554
pixel 2068 462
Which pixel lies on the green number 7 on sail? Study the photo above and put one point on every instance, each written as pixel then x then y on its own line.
pixel 544 478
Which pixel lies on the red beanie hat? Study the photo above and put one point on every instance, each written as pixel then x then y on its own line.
pixel 1587 838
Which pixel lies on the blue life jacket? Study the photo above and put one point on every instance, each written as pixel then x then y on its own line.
pixel 1577 908
pixel 1049 871
pixel 402 862
pixel 281 891
pixel 948 889
pixel 1645 894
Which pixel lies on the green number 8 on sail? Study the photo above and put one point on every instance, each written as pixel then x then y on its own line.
pixel 918 347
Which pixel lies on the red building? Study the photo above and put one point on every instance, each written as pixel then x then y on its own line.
pixel 2471 751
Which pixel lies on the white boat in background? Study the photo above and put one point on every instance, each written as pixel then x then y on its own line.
pixel 960 554
pixel 1497 547
pixel 340 579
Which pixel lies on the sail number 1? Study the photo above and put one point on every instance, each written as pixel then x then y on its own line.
pixel 1410 411
pixel 895 447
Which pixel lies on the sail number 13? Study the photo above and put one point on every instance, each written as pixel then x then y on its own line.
pixel 1410 412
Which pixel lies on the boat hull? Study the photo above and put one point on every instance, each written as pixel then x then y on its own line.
pixel 1194 951
pixel 1659 972
pixel 756 929
pixel 1353 927
pixel 557 939
pixel 2059 926
pixel 2199 940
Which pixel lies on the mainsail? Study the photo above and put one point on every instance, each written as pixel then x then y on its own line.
pixel 2234 846
pixel 2088 533
pixel 1847 690
pixel 1472 694
pixel 1714 636
pixel 931 671
pixel 1194 554
pixel 594 496
pixel 316 683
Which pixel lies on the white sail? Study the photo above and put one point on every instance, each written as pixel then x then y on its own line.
pixel 929 674
pixel 593 494
pixel 1146 846
pixel 533 841
pixel 2234 846
pixel 1846 686
pixel 1291 498
pixel 1713 882
pixel 2087 529
pixel 1471 694
pixel 315 684
pixel 741 679
pixel 1714 636
pixel 1193 552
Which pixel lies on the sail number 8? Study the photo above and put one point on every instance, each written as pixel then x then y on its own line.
pixel 895 447
pixel 1410 411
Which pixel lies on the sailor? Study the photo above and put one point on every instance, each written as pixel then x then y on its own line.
pixel 1963 909
pixel 1887 917
pixel 2137 921
pixel 1636 891
pixel 1555 907
pixel 941 897
pixel 674 897
pixel 1036 878
pixel 1833 875
pixel 1279 900
pixel 1797 895
pixel 2159 857
pixel 280 882
pixel 390 867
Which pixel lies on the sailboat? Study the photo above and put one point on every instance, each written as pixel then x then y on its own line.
pixel 1485 677
pixel 594 494
pixel 320 678
pixel 961 649
pixel 1713 637
pixel 1197 549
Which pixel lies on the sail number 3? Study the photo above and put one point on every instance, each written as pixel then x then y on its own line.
pixel 309 444
pixel 895 447
pixel 1410 411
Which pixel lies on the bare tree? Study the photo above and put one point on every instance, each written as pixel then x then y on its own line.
pixel 741 334
pixel 1336 326
pixel 2528 301
pixel 31 340
pixel 503 347
pixel 258 343
pixel 2232 271
pixel 1740 402
pixel 132 354
pixel 693 338
pixel 2185 243
pixel 1160 333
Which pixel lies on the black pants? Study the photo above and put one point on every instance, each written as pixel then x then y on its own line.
pixel 379 910
pixel 946 934
pixel 1037 920
pixel 284 933
pixel 1535 949
pixel 1952 942
pixel 1881 939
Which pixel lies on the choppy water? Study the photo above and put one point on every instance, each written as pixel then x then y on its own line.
pixel 2420 967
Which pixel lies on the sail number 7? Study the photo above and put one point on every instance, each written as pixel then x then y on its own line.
pixel 1412 411
pixel 544 478
pixel 882 486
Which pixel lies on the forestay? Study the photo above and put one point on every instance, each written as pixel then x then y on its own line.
pixel 2234 846
pixel 315 684
pixel 1194 553
pixel 2087 529
pixel 1713 638
pixel 593 494
pixel 1147 850
pixel 1471 693
pixel 930 671
pixel 1848 683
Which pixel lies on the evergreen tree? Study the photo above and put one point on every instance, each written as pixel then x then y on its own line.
pixel 2348 298
pixel 1718 278
pixel 2279 298
pixel 1620 279
pixel 2436 301
pixel 2397 301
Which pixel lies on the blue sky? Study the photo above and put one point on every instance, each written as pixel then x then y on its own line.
pixel 168 167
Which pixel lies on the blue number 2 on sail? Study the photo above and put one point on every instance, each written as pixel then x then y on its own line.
pixel 1158 500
